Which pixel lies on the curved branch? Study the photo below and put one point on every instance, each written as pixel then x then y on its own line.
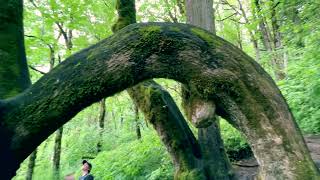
pixel 37 70
pixel 244 93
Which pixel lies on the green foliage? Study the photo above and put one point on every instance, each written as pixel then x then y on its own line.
pixel 302 87
pixel 138 159
pixel 301 90
pixel 234 142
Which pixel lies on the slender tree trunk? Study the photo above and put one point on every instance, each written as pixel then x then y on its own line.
pixel 239 36
pixel 215 160
pixel 251 32
pixel 58 140
pixel 102 115
pixel 279 52
pixel 256 48
pixel 272 40
pixel 136 120
pixel 57 153
pixel 31 164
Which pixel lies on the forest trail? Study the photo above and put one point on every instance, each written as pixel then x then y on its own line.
pixel 246 169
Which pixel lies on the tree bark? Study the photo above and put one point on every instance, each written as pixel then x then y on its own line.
pixel 201 14
pixel 136 120
pixel 102 115
pixel 215 160
pixel 150 97
pixel 164 115
pixel 202 112
pixel 57 153
pixel 243 92
pixel 67 34
pixel 31 164
pixel 14 74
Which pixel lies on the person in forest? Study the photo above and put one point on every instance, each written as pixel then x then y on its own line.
pixel 86 168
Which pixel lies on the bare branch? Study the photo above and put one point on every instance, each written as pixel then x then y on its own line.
pixel 37 70
pixel 227 17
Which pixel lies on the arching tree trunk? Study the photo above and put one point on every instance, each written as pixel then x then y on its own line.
pixel 243 92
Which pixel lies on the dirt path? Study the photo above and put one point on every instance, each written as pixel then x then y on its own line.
pixel 247 169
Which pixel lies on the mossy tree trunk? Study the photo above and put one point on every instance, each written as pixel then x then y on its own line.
pixel 161 111
pixel 200 111
pixel 244 94
pixel 14 74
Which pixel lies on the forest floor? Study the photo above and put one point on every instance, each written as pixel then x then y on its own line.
pixel 247 169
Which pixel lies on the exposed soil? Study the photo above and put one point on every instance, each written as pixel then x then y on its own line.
pixel 247 169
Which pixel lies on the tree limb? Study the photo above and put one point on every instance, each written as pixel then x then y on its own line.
pixel 37 70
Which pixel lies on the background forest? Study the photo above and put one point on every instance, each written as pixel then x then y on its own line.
pixel 283 36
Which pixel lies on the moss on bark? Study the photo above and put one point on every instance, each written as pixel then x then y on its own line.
pixel 157 104
pixel 14 75
pixel 162 112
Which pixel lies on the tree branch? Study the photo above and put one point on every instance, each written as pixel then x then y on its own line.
pixel 37 70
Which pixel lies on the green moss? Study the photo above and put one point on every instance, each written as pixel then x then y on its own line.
pixel 306 170
pixel 175 29
pixel 148 30
pixel 206 36
pixel 13 92
pixel 126 14
pixel 195 174
pixel 202 34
